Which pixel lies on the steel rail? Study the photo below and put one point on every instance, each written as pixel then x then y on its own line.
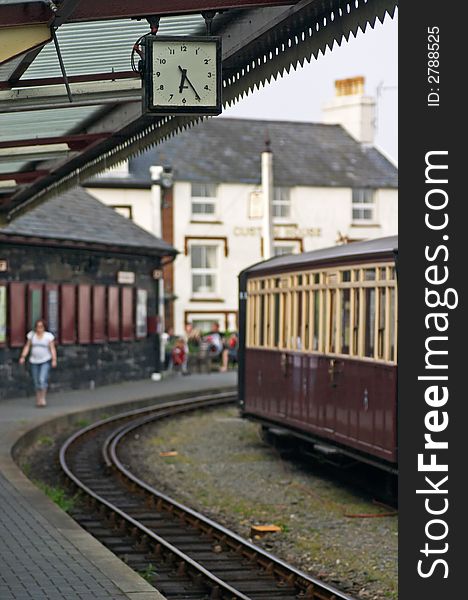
pixel 311 586
pixel 218 586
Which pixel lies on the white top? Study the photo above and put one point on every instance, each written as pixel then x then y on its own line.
pixel 40 350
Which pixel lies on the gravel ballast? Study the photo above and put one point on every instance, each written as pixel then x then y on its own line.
pixel 223 469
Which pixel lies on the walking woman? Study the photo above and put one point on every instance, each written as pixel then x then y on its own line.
pixel 43 355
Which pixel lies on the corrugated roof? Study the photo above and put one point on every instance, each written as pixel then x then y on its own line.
pixel 77 216
pixel 100 47
pixel 228 150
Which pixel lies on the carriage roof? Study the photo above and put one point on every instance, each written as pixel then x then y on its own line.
pixel 346 253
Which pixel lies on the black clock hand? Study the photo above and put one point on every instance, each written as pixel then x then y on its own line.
pixel 182 80
pixel 185 78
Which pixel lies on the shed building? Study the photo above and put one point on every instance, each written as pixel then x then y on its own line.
pixel 93 275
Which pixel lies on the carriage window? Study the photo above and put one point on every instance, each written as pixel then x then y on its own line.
pixel 392 324
pixel 345 321
pixel 254 320
pixel 356 320
pixel 332 327
pixel 369 322
pixel 369 274
pixel 285 311
pixel 306 320
pixel 261 325
pixel 315 343
pixel 299 343
pixel 276 322
pixel 345 276
pixel 381 330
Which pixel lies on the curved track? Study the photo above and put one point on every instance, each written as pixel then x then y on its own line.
pixel 185 555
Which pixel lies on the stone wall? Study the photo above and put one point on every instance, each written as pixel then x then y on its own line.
pixel 86 365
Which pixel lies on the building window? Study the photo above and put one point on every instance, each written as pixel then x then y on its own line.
pixel 204 264
pixel 287 246
pixel 281 202
pixel 124 210
pixel 203 200
pixel 281 250
pixel 363 205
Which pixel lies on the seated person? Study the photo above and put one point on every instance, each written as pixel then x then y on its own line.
pixel 214 341
pixel 178 355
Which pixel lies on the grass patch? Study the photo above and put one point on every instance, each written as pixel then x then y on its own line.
pixel 148 573
pixel 45 440
pixel 58 495
pixel 82 423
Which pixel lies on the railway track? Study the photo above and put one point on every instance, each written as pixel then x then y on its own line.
pixel 185 555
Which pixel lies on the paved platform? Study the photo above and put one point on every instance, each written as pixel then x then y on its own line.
pixel 44 554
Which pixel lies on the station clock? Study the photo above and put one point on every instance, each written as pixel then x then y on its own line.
pixel 182 75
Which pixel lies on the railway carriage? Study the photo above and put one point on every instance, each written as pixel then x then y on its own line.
pixel 318 348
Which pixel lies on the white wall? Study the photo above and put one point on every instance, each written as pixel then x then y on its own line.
pixel 139 200
pixel 318 216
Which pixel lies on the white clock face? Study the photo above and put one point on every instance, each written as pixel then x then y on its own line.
pixel 184 74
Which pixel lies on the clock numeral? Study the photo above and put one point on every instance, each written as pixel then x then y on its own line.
pixel 161 87
pixel 207 60
pixel 184 101
pixel 209 74
pixel 162 61
pixel 171 50
pixel 196 51
pixel 183 48
pixel 207 88
pixel 171 96
pixel 158 73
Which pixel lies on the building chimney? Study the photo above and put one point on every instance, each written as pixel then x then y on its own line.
pixel 352 109
pixel 267 196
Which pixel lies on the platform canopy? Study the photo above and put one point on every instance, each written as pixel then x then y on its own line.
pixel 52 138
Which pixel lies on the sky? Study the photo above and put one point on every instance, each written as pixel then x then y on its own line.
pixel 373 54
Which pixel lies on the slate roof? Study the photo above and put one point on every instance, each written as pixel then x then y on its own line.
pixel 77 216
pixel 228 150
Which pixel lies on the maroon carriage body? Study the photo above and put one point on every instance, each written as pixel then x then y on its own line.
pixel 345 401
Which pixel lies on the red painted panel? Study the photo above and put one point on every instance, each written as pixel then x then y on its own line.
pixel 17 319
pixel 353 404
pixel 99 314
pixel 113 321
pixel 128 322
pixel 84 314
pixel 67 314
pixel 152 324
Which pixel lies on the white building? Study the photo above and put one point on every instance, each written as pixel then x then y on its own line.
pixel 329 188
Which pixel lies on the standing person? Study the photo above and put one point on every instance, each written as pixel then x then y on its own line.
pixel 230 351
pixel 43 355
